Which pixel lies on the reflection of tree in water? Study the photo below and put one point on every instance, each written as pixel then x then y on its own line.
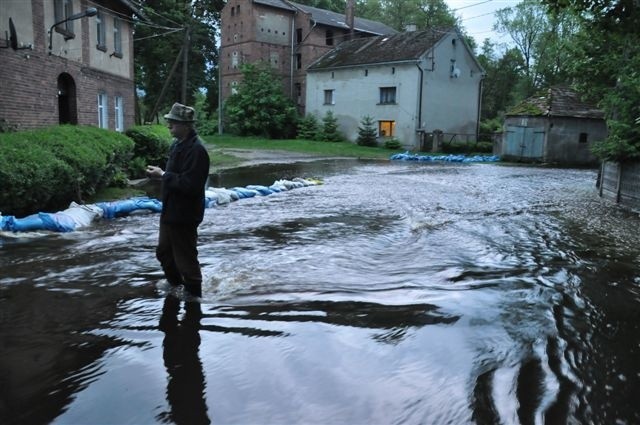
pixel 185 384
pixel 394 320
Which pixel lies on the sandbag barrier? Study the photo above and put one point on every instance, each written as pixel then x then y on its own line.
pixel 444 158
pixel 78 216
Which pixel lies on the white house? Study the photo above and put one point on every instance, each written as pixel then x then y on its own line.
pixel 413 84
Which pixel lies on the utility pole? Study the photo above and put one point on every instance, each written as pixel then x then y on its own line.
pixel 185 64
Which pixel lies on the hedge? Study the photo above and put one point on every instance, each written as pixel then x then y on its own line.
pixel 45 169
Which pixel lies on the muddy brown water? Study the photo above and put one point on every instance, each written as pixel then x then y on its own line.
pixel 394 293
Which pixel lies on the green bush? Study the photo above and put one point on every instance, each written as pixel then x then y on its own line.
pixel 308 127
pixel 467 147
pixel 151 146
pixel 392 144
pixel 48 168
pixel 207 127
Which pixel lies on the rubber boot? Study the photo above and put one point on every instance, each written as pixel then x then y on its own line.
pixel 194 289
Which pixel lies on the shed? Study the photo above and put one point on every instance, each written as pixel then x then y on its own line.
pixel 555 126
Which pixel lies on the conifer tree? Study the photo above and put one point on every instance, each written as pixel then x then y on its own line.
pixel 367 132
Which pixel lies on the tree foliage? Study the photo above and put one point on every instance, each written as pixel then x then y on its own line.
pixel 605 59
pixel 308 127
pixel 367 132
pixel 329 129
pixel 158 42
pixel 260 107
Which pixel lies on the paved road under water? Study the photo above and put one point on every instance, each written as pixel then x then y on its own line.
pixel 395 293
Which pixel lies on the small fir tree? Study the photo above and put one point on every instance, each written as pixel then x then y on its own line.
pixel 308 127
pixel 367 132
pixel 329 131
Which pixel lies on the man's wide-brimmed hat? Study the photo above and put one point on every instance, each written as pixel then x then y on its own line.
pixel 180 112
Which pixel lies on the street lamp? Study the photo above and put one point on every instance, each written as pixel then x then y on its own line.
pixel 91 11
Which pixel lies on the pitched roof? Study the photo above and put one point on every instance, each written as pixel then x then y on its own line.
pixel 338 20
pixel 401 47
pixel 559 101
pixel 276 3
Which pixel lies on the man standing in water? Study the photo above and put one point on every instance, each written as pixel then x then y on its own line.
pixel 183 185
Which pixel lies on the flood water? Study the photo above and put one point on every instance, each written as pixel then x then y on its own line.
pixel 394 293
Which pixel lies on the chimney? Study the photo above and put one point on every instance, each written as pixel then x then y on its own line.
pixel 349 15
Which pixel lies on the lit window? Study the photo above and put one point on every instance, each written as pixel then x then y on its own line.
pixel 386 128
pixel 101 31
pixel 103 113
pixel 117 37
pixel 328 97
pixel 119 113
pixel 387 95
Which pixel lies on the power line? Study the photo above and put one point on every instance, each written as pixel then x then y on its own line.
pixel 471 5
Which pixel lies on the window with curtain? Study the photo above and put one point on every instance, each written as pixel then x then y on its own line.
pixel 119 113
pixel 103 113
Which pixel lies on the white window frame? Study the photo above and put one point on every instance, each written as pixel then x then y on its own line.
pixel 103 111
pixel 329 98
pixel 118 106
pixel 387 95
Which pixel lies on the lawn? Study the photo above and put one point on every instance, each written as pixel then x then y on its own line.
pixel 344 149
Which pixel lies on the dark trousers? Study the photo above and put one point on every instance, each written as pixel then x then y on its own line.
pixel 177 252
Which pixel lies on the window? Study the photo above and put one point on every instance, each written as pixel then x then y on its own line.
pixel 103 113
pixel 119 113
pixel 234 60
pixel 298 35
pixel 233 11
pixel 63 9
pixel 117 37
pixel 386 128
pixel 234 87
pixel 583 138
pixel 328 97
pixel 298 61
pixel 387 95
pixel 299 93
pixel 274 58
pixel 329 38
pixel 101 31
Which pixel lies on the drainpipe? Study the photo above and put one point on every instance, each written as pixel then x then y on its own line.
pixel 479 108
pixel 420 95
pixel 293 38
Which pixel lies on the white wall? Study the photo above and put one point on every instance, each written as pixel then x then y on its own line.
pixel 449 103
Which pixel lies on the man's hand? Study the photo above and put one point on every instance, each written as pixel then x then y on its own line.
pixel 154 172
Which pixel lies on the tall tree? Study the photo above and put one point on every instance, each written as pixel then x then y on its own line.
pixel 174 25
pixel 605 63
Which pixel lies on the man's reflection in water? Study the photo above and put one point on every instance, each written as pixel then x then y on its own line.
pixel 185 385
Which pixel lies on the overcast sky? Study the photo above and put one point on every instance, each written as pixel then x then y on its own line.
pixel 478 17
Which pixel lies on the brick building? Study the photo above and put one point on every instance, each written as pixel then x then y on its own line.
pixel 76 72
pixel 287 35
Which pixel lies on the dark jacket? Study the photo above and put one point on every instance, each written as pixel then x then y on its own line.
pixel 183 182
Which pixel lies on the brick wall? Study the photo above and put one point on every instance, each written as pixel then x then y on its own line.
pixel 29 84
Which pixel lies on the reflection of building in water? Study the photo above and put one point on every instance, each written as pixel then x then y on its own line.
pixel 185 383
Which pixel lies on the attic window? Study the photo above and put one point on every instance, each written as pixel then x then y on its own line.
pixel 583 138
pixel 366 72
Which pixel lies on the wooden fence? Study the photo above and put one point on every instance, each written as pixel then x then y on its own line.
pixel 620 183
